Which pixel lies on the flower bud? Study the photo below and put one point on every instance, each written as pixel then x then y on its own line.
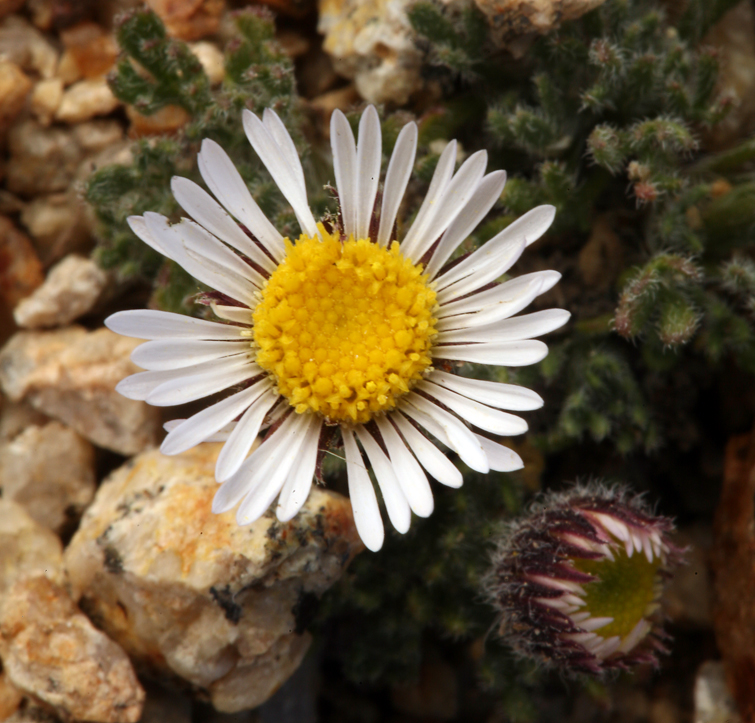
pixel 579 580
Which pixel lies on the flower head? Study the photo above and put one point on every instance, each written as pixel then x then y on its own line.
pixel 345 326
pixel 579 580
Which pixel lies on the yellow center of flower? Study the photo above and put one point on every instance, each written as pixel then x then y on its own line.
pixel 627 589
pixel 345 328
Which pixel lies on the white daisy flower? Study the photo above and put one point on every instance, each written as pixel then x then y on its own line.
pixel 346 326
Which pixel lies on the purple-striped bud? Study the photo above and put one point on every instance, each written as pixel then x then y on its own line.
pixel 579 580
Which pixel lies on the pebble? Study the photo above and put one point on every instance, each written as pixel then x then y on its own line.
pixel 20 267
pixel 191 594
pixel 212 60
pixel 14 88
pixel 189 19
pixel 342 98
pixel 713 701
pixel 50 471
pixel 15 417
pixel 90 49
pixel 45 100
pixel 42 160
pixel 71 289
pixel 167 120
pixel 56 224
pixel 51 651
pixel 70 375
pixel 26 547
pixel 373 43
pixel 86 99
pixel 23 44
pixel 514 20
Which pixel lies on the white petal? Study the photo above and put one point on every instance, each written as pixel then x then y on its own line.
pixel 238 314
pixel 481 274
pixel 462 439
pixel 476 413
pixel 279 132
pixel 242 438
pixel 396 505
pixel 362 495
pixel 153 324
pixel 484 198
pixel 456 195
pixel 167 239
pixel 430 457
pixel 595 624
pixel 345 167
pixel 267 486
pixel 299 481
pixel 489 306
pixel 223 373
pixel 526 229
pixel 207 272
pixel 138 386
pixel 411 478
pixel 495 394
pixel 369 155
pixel 180 353
pixel 396 180
pixel 528 326
pixel 256 467
pixel 228 186
pixel 208 213
pixel 607 647
pixel 283 174
pixel 502 459
pixel 639 631
pixel 442 175
pixel 206 423
pixel 503 353
pixel 204 248
pixel 139 227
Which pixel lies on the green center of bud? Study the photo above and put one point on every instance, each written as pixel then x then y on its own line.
pixel 626 589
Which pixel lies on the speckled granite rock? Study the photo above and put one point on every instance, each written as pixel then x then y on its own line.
pixel 52 652
pixel 192 596
pixel 50 471
pixel 26 548
pixel 70 374
pixel 71 289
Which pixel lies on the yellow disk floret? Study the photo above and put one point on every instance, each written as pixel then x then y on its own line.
pixel 345 328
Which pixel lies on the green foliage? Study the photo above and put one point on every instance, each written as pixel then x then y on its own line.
pixel 618 101
pixel 154 73
pixel 428 579
pixel 175 76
